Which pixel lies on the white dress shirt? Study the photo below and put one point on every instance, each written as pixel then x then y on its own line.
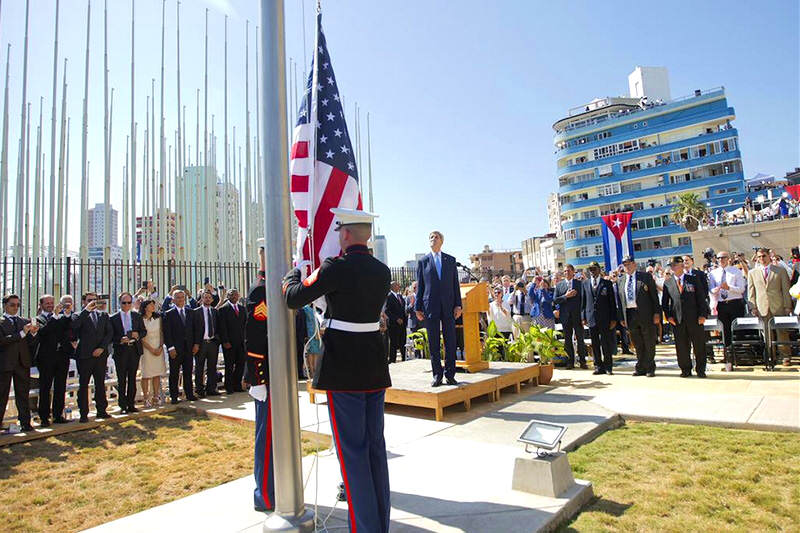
pixel 734 279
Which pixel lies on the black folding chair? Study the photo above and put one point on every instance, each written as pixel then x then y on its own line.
pixel 790 325
pixel 748 345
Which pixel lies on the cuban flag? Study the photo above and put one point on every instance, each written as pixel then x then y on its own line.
pixel 617 240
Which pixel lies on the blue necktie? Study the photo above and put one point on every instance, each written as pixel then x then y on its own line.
pixel 631 284
pixel 438 263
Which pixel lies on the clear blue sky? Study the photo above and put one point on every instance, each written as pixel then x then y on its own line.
pixel 462 95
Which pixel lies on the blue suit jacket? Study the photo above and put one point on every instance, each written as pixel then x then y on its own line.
pixel 435 296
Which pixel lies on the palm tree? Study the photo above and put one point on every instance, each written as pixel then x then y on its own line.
pixel 688 211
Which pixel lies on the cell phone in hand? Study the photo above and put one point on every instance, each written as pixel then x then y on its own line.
pixel 104 297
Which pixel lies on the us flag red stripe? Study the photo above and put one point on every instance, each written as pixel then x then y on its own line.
pixel 324 174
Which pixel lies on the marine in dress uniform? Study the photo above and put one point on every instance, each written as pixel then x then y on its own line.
pixel 257 377
pixel 353 368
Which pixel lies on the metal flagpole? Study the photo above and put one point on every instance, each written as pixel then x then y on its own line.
pixel 125 207
pixel 60 244
pixel 179 145
pixel 18 238
pixel 290 512
pixel 248 211
pixel 84 241
pixel 146 183
pixel 51 234
pixel 132 221
pixel 206 192
pixel 257 150
pixel 152 159
pixel 4 164
pixel 107 154
pixel 225 240
pixel 66 192
pixel 37 186
pixel 162 233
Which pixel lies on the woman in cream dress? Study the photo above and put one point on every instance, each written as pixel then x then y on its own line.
pixel 153 364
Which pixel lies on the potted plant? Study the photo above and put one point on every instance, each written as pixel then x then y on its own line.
pixel 523 349
pixel 494 344
pixel 689 211
pixel 548 345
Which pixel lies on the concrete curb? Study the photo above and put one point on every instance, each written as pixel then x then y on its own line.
pixel 580 494
pixel 712 423
pixel 614 422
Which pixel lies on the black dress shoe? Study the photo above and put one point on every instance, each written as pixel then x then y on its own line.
pixel 133 410
pixel 101 415
pixel 638 374
pixel 627 352
pixel 124 410
pixel 452 381
pixel 701 374
pixel 686 374
pixel 436 382
pixel 175 401
pixel 26 427
pixel 651 374
pixel 598 371
pixel 213 393
pixel 84 419
pixel 609 371
pixel 192 398
pixel 201 394
pixel 584 366
pixel 44 423
pixel 60 420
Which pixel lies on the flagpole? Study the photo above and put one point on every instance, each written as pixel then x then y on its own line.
pixel 290 511
pixel 312 152
pixel 132 164
pixel 84 240
pixel 50 248
pixel 4 163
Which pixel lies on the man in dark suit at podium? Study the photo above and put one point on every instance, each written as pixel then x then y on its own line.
pixel 568 298
pixel 439 302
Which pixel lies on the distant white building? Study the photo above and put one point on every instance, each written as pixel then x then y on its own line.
pixel 97 226
pixel 379 249
pixel 650 82
pixel 554 214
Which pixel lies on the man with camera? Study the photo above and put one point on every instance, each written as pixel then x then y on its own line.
pixel 93 330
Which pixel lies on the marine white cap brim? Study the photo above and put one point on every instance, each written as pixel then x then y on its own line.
pixel 260 242
pixel 345 217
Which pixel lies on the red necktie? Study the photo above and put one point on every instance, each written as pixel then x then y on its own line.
pixel 236 310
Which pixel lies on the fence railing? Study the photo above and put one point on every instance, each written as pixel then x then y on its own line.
pixel 30 278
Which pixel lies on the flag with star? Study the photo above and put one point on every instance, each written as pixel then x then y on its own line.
pixel 617 239
pixel 323 167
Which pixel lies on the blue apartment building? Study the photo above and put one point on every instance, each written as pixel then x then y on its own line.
pixel 639 154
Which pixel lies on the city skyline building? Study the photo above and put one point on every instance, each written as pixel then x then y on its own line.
pixel 148 235
pixel 97 226
pixel 554 214
pixel 639 154
pixel 380 250
pixel 545 252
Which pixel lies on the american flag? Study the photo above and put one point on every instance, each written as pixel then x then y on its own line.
pixel 326 177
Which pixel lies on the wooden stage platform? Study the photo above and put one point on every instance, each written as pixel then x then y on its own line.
pixel 411 384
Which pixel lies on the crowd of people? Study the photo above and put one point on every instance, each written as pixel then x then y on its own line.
pixel 782 208
pixel 178 338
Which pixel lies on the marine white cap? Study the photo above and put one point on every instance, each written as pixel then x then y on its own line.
pixel 260 242
pixel 345 217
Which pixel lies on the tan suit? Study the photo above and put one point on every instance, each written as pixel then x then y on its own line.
pixel 770 297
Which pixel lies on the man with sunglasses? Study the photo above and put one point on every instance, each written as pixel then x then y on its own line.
pixel 128 331
pixel 93 330
pixel 17 341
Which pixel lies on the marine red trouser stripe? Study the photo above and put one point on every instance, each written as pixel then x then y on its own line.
pixel 334 425
pixel 267 452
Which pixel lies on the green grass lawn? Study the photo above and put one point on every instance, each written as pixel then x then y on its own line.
pixel 82 479
pixel 681 478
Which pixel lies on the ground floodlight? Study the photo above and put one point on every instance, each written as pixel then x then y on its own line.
pixel 545 436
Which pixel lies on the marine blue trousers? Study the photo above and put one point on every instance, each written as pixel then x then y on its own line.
pixel 264 495
pixel 357 427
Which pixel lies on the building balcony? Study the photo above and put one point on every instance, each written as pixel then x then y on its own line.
pixel 659 190
pixel 605 122
pixel 688 117
pixel 644 152
pixel 717 201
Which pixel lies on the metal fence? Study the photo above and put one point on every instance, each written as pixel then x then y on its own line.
pixel 31 277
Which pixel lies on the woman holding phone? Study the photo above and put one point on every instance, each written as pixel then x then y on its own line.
pixel 153 361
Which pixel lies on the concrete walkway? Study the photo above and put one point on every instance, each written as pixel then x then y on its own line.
pixel 455 475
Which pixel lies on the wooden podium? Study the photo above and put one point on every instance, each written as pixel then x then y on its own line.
pixel 474 300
